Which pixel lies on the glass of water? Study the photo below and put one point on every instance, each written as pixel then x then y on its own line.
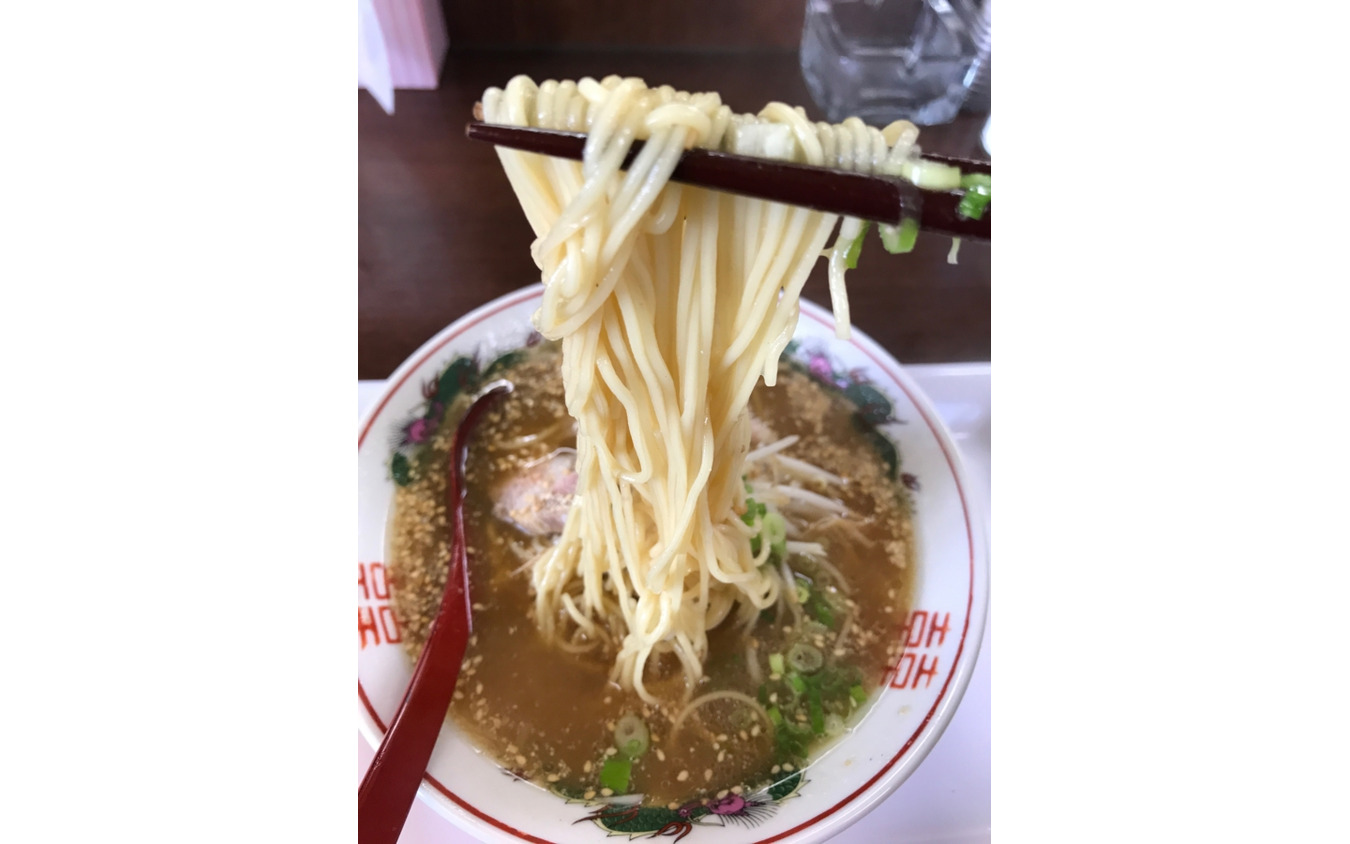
pixel 885 60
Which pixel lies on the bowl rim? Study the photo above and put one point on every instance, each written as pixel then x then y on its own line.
pixel 844 810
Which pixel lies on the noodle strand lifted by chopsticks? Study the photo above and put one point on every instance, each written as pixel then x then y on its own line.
pixel 670 303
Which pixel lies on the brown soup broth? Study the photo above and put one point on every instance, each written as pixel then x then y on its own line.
pixel 549 716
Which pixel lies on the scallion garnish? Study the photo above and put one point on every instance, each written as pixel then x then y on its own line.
pixel 804 658
pixel 775 529
pixel 901 238
pixel 973 204
pixel 631 736
pixel 851 257
pixel 615 773
pixel 815 711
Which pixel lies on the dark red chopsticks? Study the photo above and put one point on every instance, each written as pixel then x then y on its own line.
pixel 879 198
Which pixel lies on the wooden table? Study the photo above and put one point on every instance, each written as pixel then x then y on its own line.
pixel 440 231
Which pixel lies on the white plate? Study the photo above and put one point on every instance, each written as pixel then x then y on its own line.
pixel 847 781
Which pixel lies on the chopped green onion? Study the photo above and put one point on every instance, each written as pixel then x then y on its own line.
pixel 803 591
pixel 775 528
pixel 815 711
pixel 775 716
pixel 931 175
pixel 956 246
pixel 851 257
pixel 631 736
pixel 804 658
pixel 820 608
pixel 901 238
pixel 975 180
pixel 858 693
pixel 776 663
pixel 834 724
pixel 614 775
pixel 753 510
pixel 797 683
pixel 973 205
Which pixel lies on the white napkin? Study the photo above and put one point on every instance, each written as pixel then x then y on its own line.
pixel 372 63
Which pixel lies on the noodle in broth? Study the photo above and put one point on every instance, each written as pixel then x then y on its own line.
pixel 682 583
pixel 670 303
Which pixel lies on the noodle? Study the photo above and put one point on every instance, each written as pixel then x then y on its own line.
pixel 670 303
pixel 709 698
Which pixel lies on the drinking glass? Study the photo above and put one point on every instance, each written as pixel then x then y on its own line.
pixel 885 60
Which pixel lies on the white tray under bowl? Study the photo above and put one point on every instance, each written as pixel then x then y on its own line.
pixel 947 799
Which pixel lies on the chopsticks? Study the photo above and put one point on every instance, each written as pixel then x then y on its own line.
pixel 879 198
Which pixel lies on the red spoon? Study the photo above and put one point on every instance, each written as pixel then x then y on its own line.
pixel 391 782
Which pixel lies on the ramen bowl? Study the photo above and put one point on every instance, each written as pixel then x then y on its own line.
pixel 939 639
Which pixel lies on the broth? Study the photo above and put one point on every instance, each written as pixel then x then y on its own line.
pixel 550 716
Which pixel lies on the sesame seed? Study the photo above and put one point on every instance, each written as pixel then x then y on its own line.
pixel 660 754
pixel 722 793
pixel 587 767
pixel 553 777
pixel 787 766
pixel 590 794
pixel 707 775
pixel 682 776
pixel 606 792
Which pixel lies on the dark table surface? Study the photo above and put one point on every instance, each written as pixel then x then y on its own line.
pixel 440 231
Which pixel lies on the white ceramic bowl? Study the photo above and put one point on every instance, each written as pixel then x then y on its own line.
pixel 942 636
